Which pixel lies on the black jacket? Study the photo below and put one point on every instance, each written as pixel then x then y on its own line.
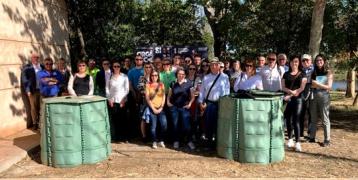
pixel 28 78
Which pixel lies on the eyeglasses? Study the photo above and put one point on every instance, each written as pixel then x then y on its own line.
pixel 116 66
pixel 192 69
pixel 248 65
pixel 221 66
pixel 139 59
pixel 304 60
pixel 165 64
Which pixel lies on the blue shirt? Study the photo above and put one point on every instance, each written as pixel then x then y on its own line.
pixel 46 89
pixel 134 74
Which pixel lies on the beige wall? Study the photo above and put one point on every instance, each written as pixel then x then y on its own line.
pixel 26 26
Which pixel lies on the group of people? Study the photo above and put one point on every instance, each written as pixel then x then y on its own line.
pixel 177 98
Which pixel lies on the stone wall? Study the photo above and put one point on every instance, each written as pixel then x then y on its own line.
pixel 26 26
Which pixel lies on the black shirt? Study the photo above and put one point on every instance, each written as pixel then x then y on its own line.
pixel 81 85
pixel 181 94
pixel 292 83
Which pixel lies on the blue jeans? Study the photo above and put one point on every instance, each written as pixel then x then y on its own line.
pixel 184 115
pixel 163 125
pixel 211 119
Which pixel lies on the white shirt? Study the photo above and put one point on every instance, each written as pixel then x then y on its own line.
pixel 117 88
pixel 243 82
pixel 271 78
pixel 107 75
pixel 37 69
pixel 221 87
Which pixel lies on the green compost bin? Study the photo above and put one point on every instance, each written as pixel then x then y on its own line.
pixel 74 131
pixel 250 130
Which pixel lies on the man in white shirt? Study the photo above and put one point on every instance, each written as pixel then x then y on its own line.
pixel 271 74
pixel 214 86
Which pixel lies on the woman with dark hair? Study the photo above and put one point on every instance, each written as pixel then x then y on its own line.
pixel 322 80
pixel 249 79
pixel 117 90
pixel 81 83
pixel 293 83
pixel 204 69
pixel 155 97
pixel 180 98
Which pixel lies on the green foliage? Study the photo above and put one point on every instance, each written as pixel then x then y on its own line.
pixel 115 28
pixel 249 27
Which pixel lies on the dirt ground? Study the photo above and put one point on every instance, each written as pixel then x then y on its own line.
pixel 139 160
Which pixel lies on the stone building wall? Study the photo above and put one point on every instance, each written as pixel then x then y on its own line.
pixel 26 26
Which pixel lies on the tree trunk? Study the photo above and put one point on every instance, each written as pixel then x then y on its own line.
pixel 209 39
pixel 73 8
pixel 316 27
pixel 350 91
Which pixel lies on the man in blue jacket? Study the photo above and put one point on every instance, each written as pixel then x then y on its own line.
pixel 49 80
pixel 31 87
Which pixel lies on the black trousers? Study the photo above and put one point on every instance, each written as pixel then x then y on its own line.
pixel 292 115
pixel 119 124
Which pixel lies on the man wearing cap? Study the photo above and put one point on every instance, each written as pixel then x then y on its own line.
pixel 31 87
pixel 214 86
pixel 271 74
pixel 308 68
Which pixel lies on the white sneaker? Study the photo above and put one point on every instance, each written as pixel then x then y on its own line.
pixel 176 145
pixel 154 146
pixel 161 144
pixel 298 147
pixel 191 145
pixel 290 143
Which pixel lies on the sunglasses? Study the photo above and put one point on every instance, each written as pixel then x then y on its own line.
pixel 48 64
pixel 221 66
pixel 192 69
pixel 116 66
pixel 139 59
pixel 271 59
pixel 165 64
pixel 304 60
pixel 248 65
